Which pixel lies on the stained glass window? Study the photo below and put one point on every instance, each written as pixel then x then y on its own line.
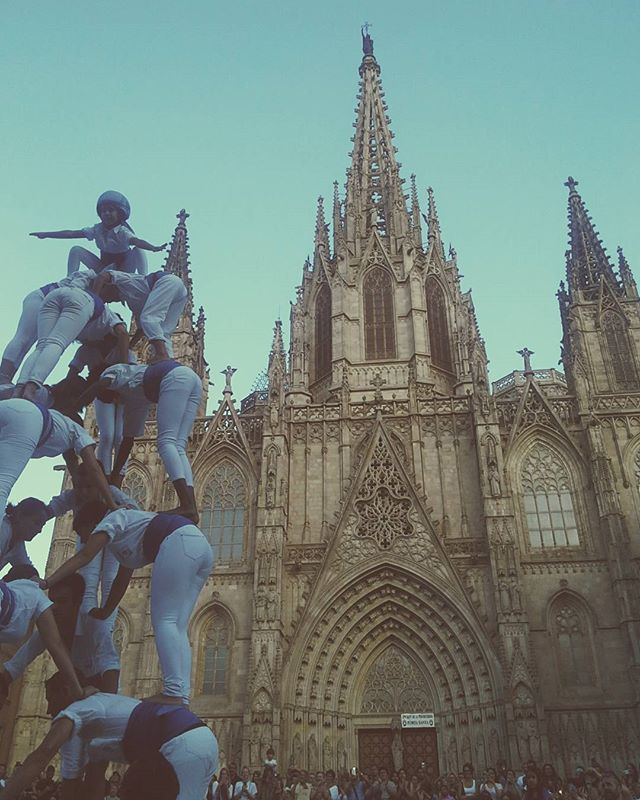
pixel 323 332
pixel 438 325
pixel 223 515
pixel 379 327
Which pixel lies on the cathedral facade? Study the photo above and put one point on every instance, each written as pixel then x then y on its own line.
pixel 394 535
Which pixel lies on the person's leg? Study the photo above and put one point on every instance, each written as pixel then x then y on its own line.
pixel 175 402
pixel 20 429
pixel 106 422
pixel 179 573
pixel 136 261
pixel 191 406
pixel 80 255
pixel 24 338
pixel 160 311
pixel 194 758
pixel 62 317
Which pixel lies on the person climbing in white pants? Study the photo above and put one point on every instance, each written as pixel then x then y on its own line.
pixel 119 247
pixel 172 754
pixel 26 333
pixel 177 390
pixel 156 300
pixel 182 561
pixel 66 314
pixel 28 430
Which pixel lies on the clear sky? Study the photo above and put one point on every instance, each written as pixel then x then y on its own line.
pixel 242 113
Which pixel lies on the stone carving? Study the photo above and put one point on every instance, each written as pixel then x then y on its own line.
pixel 394 684
pixel 135 485
pixel 493 476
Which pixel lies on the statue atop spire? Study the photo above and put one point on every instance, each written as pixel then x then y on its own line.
pixel 367 41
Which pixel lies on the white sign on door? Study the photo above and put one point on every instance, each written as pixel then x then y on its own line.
pixel 417 720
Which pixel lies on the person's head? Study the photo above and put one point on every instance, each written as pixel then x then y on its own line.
pixel 319 778
pixel 610 786
pixel 271 753
pixel 224 775
pixel 66 596
pixel 373 771
pixel 591 777
pixel 402 774
pixel 113 790
pixel 245 774
pixel 65 396
pixel 57 694
pixel 88 517
pixel 27 518
pixel 21 572
pixel 548 771
pixel 531 780
pixel 115 777
pixel 233 769
pixel 330 777
pixel 511 776
pixel 304 776
pixel 384 775
pixel 490 775
pixel 113 208
pixel 467 771
pixel 152 778
pixel 255 777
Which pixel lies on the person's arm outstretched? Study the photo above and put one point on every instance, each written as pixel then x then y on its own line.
pixel 118 589
pixel 48 629
pixel 58 234
pixel 144 245
pixel 96 542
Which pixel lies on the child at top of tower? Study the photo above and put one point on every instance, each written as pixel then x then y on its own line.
pixel 119 247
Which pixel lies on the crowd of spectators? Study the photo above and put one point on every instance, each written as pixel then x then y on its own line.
pixel 532 782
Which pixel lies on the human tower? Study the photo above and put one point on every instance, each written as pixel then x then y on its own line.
pixel 171 752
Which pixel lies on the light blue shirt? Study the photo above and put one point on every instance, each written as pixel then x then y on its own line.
pixel 11 553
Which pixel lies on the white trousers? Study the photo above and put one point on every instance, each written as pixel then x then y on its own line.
pixel 62 316
pixel 180 392
pixel 181 568
pixel 194 758
pixel 109 419
pixel 135 260
pixel 20 429
pixel 27 331
pixel 161 312
pixel 95 636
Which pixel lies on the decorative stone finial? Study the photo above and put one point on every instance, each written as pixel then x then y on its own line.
pixel 182 216
pixel 228 374
pixel 571 183
pixel 526 355
pixel 367 41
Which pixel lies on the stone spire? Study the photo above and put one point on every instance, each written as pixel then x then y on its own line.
pixel 375 199
pixel 321 239
pixel 416 220
pixel 277 359
pixel 178 258
pixel 626 276
pixel 435 234
pixel 587 259
pixel 337 219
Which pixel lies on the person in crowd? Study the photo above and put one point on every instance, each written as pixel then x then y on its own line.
pixel 171 752
pixel 46 787
pixel 266 783
pixel 113 790
pixel 156 301
pixel 118 245
pixel 221 789
pixel 533 788
pixel 234 776
pixel 270 760
pixel 469 783
pixel 501 771
pixel 454 785
pixel 550 778
pixel 331 783
pixel 177 391
pixel 30 431
pixel 490 784
pixel 182 561
pixel 592 784
pixel 245 788
pixel 301 785
pixel 511 790
pixel 388 788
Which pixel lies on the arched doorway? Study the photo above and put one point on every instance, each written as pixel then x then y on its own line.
pixel 395 685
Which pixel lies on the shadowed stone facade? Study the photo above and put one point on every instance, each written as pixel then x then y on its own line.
pixel 393 534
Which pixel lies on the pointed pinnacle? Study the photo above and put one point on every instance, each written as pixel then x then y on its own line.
pixel 322 235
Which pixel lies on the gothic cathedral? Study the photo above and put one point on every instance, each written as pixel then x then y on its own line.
pixel 393 534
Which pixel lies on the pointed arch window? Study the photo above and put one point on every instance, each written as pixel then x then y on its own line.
pixel 223 518
pixel 379 327
pixel 548 500
pixel 572 635
pixel 616 335
pixel 438 325
pixel 215 651
pixel 323 332
pixel 135 486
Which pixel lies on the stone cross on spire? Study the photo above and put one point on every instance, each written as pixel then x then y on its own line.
pixel 182 217
pixel 571 184
pixel 526 355
pixel 228 374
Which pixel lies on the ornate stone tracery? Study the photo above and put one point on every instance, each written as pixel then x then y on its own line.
pixel 135 485
pixel 394 685
pixel 224 511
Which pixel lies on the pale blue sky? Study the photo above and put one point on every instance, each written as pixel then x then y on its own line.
pixel 242 113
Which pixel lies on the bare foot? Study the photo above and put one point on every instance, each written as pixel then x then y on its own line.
pixel 166 699
pixel 189 513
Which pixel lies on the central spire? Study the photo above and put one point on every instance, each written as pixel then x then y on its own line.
pixel 375 199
